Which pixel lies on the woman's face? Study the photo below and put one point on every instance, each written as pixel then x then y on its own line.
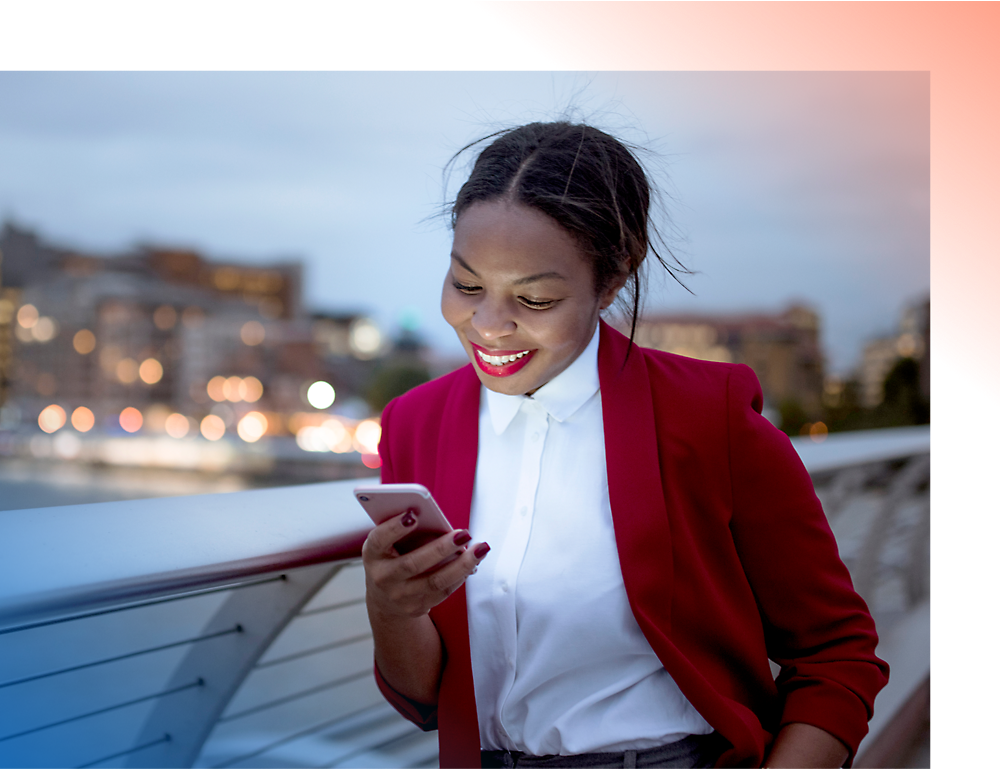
pixel 520 295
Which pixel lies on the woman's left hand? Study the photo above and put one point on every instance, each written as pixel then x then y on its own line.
pixel 802 745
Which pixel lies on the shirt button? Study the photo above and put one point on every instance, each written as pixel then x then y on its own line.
pixel 536 435
pixel 524 510
pixel 503 586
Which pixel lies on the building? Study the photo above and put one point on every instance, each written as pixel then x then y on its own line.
pixel 783 349
pixel 910 340
pixel 165 331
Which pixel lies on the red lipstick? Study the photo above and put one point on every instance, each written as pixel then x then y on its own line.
pixel 495 368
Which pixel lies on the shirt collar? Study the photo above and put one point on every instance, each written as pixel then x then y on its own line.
pixel 561 396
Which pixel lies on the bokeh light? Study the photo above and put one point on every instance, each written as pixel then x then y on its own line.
pixel 165 317
pixel 366 437
pixel 45 329
pixel 252 427
pixel 217 388
pixel 213 428
pixel 130 419
pixel 67 445
pixel 52 418
pixel 27 316
pixel 82 419
pixel 177 425
pixel 232 389
pixel 818 431
pixel 151 371
pixel 252 333
pixel 84 342
pixel 365 338
pixel 252 390
pixel 337 436
pixel 320 395
pixel 127 371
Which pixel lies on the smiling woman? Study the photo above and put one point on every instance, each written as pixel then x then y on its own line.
pixel 520 294
pixel 658 540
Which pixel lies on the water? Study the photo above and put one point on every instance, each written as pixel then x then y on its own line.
pixel 39 484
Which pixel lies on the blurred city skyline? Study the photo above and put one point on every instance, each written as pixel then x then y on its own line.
pixel 782 187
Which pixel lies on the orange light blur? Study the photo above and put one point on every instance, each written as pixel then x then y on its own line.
pixel 252 390
pixel 151 371
pixel 216 388
pixel 165 317
pixel 231 389
pixel 252 427
pixel 366 437
pixel 52 418
pixel 818 431
pixel 127 371
pixel 84 342
pixel 371 461
pixel 130 419
pixel 27 316
pixel 252 333
pixel 82 419
pixel 213 428
pixel 177 425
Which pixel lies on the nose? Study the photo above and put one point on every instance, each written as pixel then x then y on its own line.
pixel 493 320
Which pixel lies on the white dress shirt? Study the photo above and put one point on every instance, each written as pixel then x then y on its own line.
pixel 559 663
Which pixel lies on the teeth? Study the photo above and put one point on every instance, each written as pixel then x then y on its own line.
pixel 501 360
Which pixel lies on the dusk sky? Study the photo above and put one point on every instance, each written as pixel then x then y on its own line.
pixel 781 186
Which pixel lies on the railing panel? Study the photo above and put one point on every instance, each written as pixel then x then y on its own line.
pixel 311 700
pixel 144 685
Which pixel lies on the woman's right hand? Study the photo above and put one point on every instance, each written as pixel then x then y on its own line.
pixel 407 585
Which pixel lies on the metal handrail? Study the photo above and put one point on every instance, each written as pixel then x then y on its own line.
pixel 276 548
pixel 141 551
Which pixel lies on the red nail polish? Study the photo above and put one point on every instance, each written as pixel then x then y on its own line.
pixel 463 537
pixel 481 550
pixel 409 519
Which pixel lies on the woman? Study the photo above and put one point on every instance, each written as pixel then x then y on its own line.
pixel 655 539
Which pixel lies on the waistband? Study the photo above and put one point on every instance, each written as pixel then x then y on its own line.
pixel 692 751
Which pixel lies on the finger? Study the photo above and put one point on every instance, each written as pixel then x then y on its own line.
pixel 448 579
pixel 428 556
pixel 382 537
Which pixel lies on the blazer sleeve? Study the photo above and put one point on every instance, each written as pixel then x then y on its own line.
pixel 421 714
pixel 817 628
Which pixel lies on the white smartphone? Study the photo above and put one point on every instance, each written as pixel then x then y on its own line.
pixel 387 500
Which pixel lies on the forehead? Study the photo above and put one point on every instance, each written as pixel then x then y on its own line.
pixel 512 240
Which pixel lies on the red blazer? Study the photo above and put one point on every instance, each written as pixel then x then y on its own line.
pixel 726 554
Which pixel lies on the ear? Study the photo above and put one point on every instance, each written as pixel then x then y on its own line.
pixel 609 295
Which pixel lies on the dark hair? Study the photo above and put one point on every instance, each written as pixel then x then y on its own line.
pixel 587 181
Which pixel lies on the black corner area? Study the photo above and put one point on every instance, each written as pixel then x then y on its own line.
pixel 973 511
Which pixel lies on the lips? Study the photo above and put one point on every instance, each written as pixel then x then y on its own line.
pixel 501 363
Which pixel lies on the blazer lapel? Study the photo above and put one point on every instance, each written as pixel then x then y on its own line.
pixel 638 509
pixel 455 476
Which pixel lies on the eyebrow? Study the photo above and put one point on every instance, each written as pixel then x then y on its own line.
pixel 519 281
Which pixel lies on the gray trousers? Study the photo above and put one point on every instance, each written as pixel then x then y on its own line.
pixel 693 751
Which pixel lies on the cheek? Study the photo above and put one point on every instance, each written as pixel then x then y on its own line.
pixel 452 306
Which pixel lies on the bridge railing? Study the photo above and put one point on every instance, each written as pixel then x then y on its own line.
pixel 229 630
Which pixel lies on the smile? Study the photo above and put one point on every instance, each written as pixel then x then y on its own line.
pixel 501 360
pixel 501 363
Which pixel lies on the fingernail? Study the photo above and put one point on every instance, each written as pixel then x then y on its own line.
pixel 481 550
pixel 409 519
pixel 463 537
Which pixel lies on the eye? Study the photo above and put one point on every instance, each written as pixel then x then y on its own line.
pixel 466 288
pixel 536 304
